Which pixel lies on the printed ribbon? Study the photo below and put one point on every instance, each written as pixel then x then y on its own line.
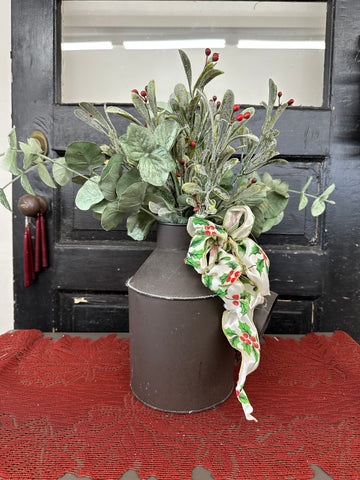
pixel 235 268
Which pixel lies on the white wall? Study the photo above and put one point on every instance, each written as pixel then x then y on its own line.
pixel 6 290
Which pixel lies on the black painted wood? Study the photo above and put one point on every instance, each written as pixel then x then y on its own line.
pixel 314 263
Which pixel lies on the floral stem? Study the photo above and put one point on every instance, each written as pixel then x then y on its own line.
pixel 311 196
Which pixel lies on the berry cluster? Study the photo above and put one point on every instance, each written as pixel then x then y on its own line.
pixel 142 94
pixel 290 102
pixel 214 58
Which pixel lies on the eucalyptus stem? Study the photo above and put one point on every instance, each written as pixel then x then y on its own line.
pixel 311 196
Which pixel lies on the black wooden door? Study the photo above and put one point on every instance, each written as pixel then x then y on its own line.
pixel 314 262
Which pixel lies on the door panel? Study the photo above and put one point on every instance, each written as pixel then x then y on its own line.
pixel 313 261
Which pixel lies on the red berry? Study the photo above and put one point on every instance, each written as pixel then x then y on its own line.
pixel 236 303
pixel 253 180
pixel 178 174
pixel 237 274
pixel 214 98
pixel 231 272
pixel 235 297
pixel 256 345
pixel 236 107
pixel 218 104
pixel 207 51
pixel 192 143
pixel 247 115
pixel 207 232
pixel 182 161
pixel 228 279
pixel 248 341
pixel 279 94
pixel 291 101
pixel 143 93
pixel 196 209
pixel 245 335
pixel 215 57
pixel 253 339
pixel 240 117
pixel 135 91
pixel 233 280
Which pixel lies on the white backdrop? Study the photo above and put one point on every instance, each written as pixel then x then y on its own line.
pixel 6 290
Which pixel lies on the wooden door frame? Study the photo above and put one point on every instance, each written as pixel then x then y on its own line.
pixel 304 132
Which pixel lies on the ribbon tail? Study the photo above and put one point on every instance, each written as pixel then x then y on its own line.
pixel 242 334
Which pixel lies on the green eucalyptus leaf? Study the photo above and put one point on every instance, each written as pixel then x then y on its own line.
pixel 9 162
pixel 276 204
pixel 271 222
pixel 110 176
pixel 127 179
pixel 303 201
pixel 89 194
pixel 4 200
pixel 26 184
pixel 139 142
pixel 31 151
pixel 99 207
pixel 79 156
pixel 80 179
pixel 327 192
pixel 307 184
pixel 318 207
pixel 60 173
pixel 45 175
pixel 111 216
pixel 187 67
pixel 166 133
pixel 139 224
pixel 133 197
pixel 154 167
pixel 159 195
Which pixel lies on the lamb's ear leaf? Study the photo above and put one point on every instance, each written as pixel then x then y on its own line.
pixel 152 97
pixel 123 113
pixel 187 67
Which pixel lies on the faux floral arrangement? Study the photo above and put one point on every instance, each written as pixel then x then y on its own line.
pixel 191 161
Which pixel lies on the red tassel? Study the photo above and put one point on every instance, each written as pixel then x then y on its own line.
pixel 27 267
pixel 31 253
pixel 44 256
pixel 37 245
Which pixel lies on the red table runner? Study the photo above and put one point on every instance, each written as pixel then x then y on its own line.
pixel 66 406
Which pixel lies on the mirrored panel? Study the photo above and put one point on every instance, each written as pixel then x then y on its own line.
pixel 112 47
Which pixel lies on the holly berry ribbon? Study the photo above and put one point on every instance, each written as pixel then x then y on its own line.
pixel 235 268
